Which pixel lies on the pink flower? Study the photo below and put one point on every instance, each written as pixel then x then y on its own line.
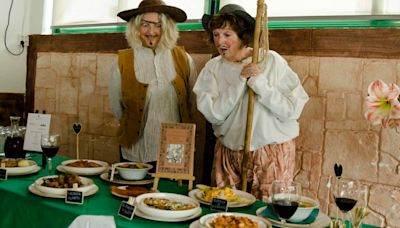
pixel 383 106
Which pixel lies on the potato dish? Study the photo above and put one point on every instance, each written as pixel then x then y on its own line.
pixel 232 222
pixel 166 204
pixel 11 163
pixel 215 192
pixel 62 181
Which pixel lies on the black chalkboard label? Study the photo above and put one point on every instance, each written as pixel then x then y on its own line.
pixel 3 174
pixel 74 197
pixel 126 210
pixel 218 204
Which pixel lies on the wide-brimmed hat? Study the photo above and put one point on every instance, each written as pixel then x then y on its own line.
pixel 154 6
pixel 230 9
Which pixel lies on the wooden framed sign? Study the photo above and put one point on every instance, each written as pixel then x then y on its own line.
pixel 176 153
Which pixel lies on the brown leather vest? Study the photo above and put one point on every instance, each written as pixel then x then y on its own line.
pixel 133 92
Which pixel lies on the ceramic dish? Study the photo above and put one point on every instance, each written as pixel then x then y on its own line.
pixel 206 220
pixel 129 173
pixel 22 170
pixel 32 188
pixel 87 184
pixel 248 198
pixel 322 220
pixel 34 169
pixel 141 214
pixel 84 170
pixel 118 180
pixel 302 212
pixel 176 199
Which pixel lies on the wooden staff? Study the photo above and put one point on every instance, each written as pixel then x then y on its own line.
pixel 249 123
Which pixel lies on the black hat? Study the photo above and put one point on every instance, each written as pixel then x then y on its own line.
pixel 230 9
pixel 157 6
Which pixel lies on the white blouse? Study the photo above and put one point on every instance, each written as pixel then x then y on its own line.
pixel 157 70
pixel 279 100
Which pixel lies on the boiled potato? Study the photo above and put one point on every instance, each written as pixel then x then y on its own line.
pixel 23 163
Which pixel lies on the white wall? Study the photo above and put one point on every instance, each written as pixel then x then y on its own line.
pixel 25 19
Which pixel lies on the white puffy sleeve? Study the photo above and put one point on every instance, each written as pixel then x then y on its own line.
pixel 217 98
pixel 114 91
pixel 279 89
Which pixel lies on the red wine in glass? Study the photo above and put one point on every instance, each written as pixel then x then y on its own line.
pixel 50 151
pixel 345 204
pixel 50 144
pixel 284 208
pixel 285 199
pixel 345 195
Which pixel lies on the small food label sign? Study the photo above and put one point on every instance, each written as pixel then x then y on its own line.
pixel 127 209
pixel 218 204
pixel 74 197
pixel 3 173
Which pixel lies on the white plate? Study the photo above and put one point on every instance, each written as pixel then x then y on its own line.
pixel 141 214
pixel 84 170
pixel 139 201
pixel 35 191
pixel 322 220
pixel 206 219
pixel 119 180
pixel 195 224
pixel 120 195
pixel 87 185
pixel 198 195
pixel 61 169
pixel 22 170
pixel 35 169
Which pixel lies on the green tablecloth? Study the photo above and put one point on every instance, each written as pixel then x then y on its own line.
pixel 20 208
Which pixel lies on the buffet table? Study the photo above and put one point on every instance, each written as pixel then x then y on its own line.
pixel 21 208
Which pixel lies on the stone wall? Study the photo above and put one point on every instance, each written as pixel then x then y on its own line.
pixel 334 130
pixel 73 86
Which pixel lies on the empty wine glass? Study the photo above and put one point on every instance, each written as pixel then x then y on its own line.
pixel 361 209
pixel 50 144
pixel 345 194
pixel 285 199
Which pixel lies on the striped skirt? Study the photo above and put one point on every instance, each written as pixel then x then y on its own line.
pixel 266 164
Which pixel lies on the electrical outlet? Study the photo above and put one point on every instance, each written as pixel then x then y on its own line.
pixel 24 39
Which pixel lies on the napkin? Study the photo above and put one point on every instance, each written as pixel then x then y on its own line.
pixel 269 213
pixel 93 221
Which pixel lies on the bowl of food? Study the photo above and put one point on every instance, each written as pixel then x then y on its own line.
pixel 132 170
pixel 18 166
pixel 167 205
pixel 59 184
pixel 231 219
pixel 306 206
pixel 84 166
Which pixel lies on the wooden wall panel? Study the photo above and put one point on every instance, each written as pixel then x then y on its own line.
pixel 11 103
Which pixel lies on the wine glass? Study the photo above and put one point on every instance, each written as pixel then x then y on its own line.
pixel 345 193
pixel 360 211
pixel 285 198
pixel 50 144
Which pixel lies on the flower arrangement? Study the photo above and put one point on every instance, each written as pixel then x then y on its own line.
pixel 383 104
